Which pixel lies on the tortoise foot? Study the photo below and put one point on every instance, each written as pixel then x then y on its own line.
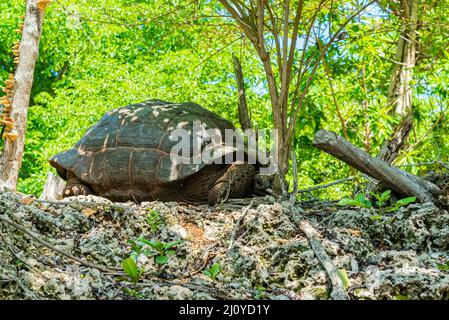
pixel 74 187
pixel 237 182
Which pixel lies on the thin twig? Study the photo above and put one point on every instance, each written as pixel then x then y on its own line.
pixel 327 185
pixel 295 178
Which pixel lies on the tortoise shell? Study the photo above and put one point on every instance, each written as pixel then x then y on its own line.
pixel 127 153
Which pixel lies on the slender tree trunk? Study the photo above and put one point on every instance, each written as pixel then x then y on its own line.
pixel 11 159
pixel 400 92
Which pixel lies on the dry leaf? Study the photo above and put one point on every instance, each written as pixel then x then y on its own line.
pixel 88 212
pixel 27 201
pixel 355 233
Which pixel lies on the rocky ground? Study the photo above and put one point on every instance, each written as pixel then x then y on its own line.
pixel 257 245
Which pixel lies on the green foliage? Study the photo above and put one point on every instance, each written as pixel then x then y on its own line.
pixel 382 198
pixel 400 203
pixel 443 266
pixel 154 220
pixel 343 275
pixel 99 55
pixel 212 271
pixel 159 250
pixel 129 266
pixel 260 293
pixel 359 201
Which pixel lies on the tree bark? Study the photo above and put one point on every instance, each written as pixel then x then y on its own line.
pixel 53 188
pixel 11 159
pixel 400 92
pixel 403 183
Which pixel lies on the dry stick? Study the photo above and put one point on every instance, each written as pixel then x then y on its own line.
pixel 338 292
pixel 327 185
pixel 238 223
pixel 87 203
pixel 295 178
pixel 50 246
pixel 394 178
pixel 244 118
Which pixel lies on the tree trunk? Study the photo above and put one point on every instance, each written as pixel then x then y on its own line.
pixel 11 159
pixel 400 92
pixel 403 183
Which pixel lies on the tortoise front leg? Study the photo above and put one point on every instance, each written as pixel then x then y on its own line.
pixel 236 182
pixel 75 187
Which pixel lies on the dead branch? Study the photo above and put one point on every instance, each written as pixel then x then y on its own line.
pixel 244 118
pixel 295 178
pixel 87 203
pixel 237 225
pixel 338 292
pixel 393 178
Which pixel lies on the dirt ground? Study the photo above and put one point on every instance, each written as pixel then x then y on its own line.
pixel 257 245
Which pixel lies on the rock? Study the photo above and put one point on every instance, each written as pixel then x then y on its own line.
pixel 396 257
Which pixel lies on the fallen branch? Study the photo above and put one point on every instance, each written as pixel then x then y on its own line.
pixel 394 178
pixel 39 239
pixel 237 225
pixel 338 292
pixel 88 203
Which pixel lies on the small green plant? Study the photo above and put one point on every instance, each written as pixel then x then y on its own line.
pixel 359 201
pixel 129 266
pixel 343 275
pixel 260 293
pixel 401 203
pixel 213 271
pixel 443 266
pixel 154 220
pixel 159 250
pixel 381 198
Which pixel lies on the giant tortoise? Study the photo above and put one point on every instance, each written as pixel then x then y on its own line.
pixel 126 156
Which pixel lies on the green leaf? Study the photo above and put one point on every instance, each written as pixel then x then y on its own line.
pixel 360 198
pixel 134 246
pixel 344 277
pixel 149 252
pixel 161 259
pixel 406 201
pixel 347 202
pixel 171 244
pixel 130 268
pixel 386 195
pixel 151 243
